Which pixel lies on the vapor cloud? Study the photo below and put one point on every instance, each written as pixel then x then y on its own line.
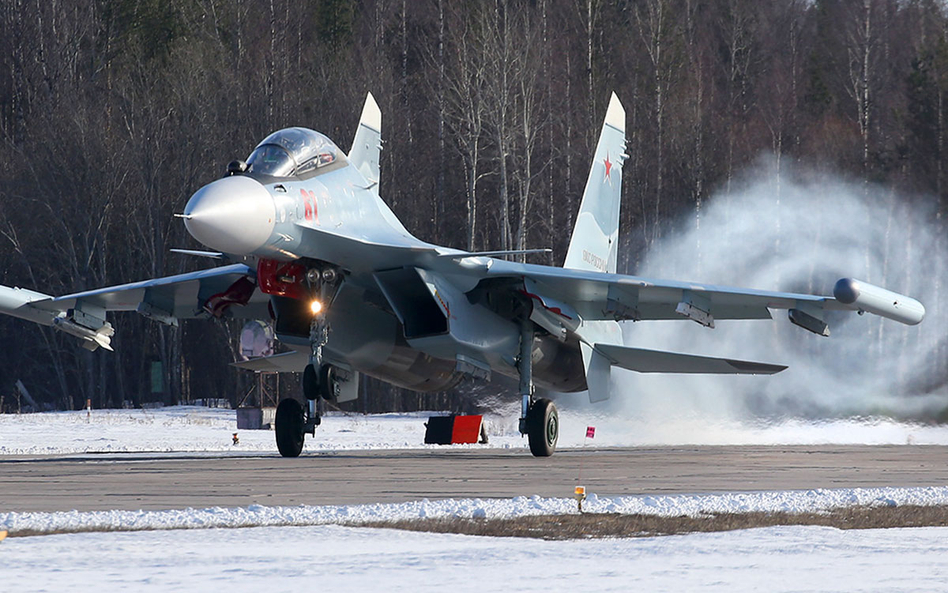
pixel 800 232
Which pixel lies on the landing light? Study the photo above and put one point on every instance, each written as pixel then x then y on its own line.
pixel 315 307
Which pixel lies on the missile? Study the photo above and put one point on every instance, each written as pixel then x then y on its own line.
pixel 885 303
pixel 17 302
pixel 95 338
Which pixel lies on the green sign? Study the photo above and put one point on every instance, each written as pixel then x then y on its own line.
pixel 156 382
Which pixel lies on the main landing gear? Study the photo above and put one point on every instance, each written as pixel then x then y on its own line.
pixel 539 419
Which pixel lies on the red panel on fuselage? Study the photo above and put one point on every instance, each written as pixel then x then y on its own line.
pixel 281 278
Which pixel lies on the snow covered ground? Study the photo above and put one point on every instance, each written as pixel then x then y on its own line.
pixel 290 548
pixel 195 429
pixel 333 558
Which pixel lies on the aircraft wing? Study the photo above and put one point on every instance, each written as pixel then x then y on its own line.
pixel 196 294
pixel 600 296
pixel 593 295
pixel 568 296
pixel 182 296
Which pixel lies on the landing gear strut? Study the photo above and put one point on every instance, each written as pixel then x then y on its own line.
pixel 539 419
pixel 312 387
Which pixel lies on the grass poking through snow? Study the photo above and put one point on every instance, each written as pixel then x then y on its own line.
pixel 583 526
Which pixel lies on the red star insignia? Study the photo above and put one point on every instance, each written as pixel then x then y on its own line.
pixel 608 164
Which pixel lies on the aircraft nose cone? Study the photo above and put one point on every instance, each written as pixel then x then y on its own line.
pixel 233 215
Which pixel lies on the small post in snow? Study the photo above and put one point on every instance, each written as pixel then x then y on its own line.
pixel 579 493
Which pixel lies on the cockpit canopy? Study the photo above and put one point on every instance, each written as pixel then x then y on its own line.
pixel 293 152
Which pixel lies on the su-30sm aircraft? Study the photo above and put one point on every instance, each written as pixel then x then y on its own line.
pixel 351 291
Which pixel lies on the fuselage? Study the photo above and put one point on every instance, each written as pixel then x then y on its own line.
pixel 413 325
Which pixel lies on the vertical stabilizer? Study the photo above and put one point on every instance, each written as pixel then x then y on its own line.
pixel 367 145
pixel 595 241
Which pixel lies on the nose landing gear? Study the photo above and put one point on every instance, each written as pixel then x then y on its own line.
pixel 295 420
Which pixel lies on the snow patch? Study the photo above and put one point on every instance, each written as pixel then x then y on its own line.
pixel 672 505
pixel 189 429
pixel 333 558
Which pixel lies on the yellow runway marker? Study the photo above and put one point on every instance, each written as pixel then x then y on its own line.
pixel 579 493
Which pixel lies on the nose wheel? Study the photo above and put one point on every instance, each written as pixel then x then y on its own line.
pixel 290 424
pixel 294 420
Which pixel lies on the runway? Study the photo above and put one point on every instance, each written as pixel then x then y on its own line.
pixel 156 481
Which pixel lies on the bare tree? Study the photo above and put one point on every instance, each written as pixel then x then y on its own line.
pixel 862 43
pixel 655 24
pixel 466 110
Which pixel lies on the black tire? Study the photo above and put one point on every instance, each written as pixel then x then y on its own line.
pixel 310 382
pixel 290 421
pixel 543 428
pixel 325 383
pixel 318 384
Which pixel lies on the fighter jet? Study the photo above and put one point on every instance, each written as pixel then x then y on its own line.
pixel 313 247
